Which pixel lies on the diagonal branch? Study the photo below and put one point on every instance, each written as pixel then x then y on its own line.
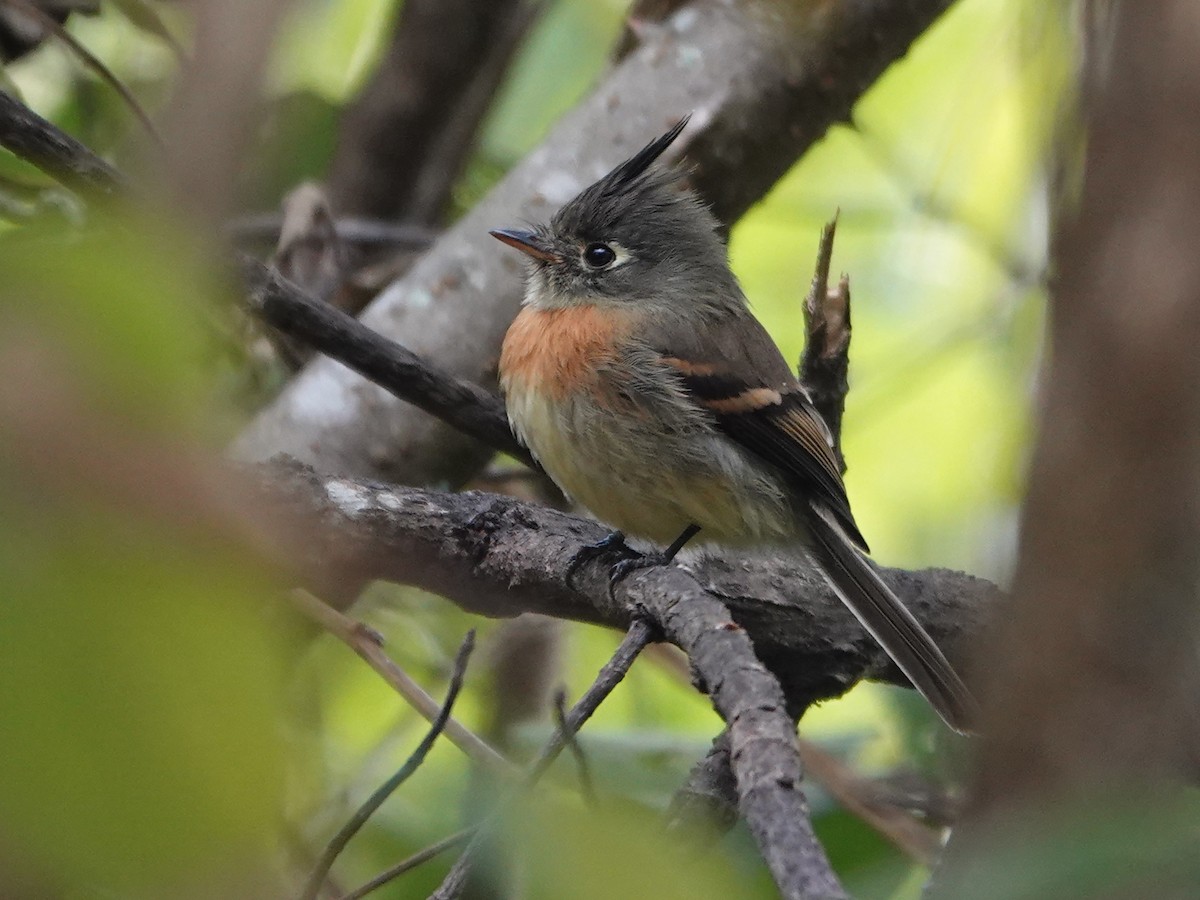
pixel 460 403
pixel 368 645
pixel 764 756
pixel 45 145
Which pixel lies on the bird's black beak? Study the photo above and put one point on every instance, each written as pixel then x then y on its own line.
pixel 527 242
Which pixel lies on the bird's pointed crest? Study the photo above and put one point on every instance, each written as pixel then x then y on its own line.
pixel 643 159
pixel 629 171
pixel 636 204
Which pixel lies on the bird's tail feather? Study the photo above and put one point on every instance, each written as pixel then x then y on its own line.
pixel 889 622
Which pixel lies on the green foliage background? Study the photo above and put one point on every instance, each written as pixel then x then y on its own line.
pixel 155 718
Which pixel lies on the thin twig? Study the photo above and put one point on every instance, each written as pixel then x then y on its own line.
pixel 301 856
pixel 339 841
pixel 585 776
pixel 417 859
pixel 825 365
pixel 89 60
pixel 640 634
pixel 366 642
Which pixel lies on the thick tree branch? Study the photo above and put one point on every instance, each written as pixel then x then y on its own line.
pixel 499 557
pixel 763 81
pixel 763 754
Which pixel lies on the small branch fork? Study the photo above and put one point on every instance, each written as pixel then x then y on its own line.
pixel 639 635
pixel 581 764
pixel 419 858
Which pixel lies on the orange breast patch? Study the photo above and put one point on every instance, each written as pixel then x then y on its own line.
pixel 556 351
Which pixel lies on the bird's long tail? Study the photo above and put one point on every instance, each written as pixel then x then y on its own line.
pixel 889 622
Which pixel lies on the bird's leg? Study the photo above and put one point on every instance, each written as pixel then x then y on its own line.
pixel 614 542
pixel 649 560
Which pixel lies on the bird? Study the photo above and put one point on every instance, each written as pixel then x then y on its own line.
pixel 640 380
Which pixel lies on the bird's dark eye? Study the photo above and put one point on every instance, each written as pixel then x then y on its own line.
pixel 598 255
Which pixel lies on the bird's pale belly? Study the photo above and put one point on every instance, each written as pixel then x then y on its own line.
pixel 651 478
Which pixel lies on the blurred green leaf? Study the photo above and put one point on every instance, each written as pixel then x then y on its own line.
pixel 330 46
pixel 137 697
pixel 142 678
pixel 128 300
pixel 569 46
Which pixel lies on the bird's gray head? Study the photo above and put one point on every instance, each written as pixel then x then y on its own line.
pixel 632 237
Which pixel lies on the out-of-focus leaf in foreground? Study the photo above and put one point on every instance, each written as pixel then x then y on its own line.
pixel 139 675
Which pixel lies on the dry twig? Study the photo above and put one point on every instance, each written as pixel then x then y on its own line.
pixel 417 859
pixel 339 841
pixel 367 643
pixel 825 365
